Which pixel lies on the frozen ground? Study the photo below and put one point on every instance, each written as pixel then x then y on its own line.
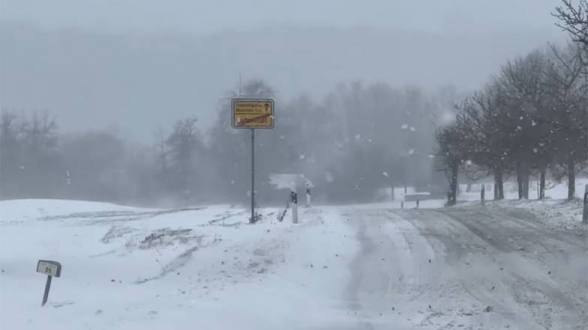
pixel 554 190
pixel 507 265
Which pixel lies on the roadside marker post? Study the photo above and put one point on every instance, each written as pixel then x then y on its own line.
pixel 294 203
pixel 282 215
pixel 51 269
pixel 252 114
pixel 585 214
pixel 483 194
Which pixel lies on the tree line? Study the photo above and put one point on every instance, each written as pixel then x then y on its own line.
pixel 531 118
pixel 353 144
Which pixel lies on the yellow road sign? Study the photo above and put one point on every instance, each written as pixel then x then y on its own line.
pixel 252 113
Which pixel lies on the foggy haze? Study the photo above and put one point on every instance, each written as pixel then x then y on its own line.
pixel 293 164
pixel 134 65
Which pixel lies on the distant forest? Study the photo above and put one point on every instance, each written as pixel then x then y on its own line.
pixel 357 141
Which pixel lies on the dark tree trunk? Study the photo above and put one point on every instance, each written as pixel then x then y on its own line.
pixel 523 181
pixel 453 184
pixel 501 189
pixel 526 179
pixel 571 179
pixel 498 186
pixel 542 184
pixel 520 180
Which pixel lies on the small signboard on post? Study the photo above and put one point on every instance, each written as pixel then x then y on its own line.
pixel 252 113
pixel 51 269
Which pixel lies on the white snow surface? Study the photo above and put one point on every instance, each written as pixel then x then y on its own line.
pixel 504 265
pixel 131 268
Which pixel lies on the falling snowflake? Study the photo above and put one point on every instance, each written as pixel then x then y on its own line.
pixel 533 123
pixel 385 174
pixel 281 137
pixel 357 137
pixel 535 150
pixel 431 156
pixel 405 126
pixel 412 129
pixel 468 162
pixel 411 152
pixel 370 140
pixel 329 177
pixel 302 157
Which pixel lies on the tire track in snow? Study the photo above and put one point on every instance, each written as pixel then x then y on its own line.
pixel 353 289
pixel 527 250
pixel 470 276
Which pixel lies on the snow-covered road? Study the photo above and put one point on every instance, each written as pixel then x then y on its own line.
pixel 467 268
pixel 347 267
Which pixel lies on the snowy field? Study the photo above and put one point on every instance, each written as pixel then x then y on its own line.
pixel 129 268
pixel 507 265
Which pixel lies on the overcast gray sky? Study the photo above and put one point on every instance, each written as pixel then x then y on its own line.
pixel 205 16
pixel 135 64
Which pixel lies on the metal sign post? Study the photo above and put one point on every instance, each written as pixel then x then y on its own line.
pixel 252 114
pixel 252 220
pixel 50 268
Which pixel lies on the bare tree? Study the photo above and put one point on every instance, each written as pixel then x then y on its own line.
pixel 449 158
pixel 184 146
pixel 574 19
pixel 524 80
pixel 10 151
pixel 568 90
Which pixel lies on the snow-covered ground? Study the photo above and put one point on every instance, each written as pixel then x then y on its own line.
pixel 554 190
pixel 507 264
pixel 130 268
